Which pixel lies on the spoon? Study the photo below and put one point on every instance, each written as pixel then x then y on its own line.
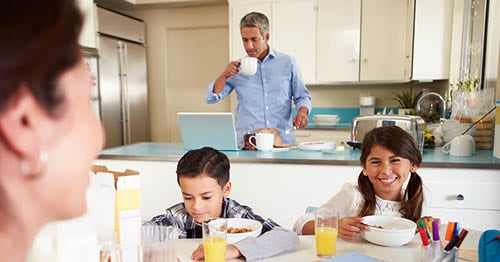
pixel 466 130
pixel 375 226
pixel 289 130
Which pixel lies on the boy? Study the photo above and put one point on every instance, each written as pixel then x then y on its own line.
pixel 203 176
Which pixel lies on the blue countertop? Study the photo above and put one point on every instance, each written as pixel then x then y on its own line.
pixel 432 157
pixel 339 126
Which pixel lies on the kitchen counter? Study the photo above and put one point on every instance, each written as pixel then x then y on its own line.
pixel 464 189
pixel 338 126
pixel 433 157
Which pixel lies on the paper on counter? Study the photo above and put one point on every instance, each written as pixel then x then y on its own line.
pixel 128 204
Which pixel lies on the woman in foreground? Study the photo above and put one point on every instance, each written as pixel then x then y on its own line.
pixel 49 134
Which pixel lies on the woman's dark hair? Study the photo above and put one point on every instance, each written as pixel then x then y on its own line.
pixel 402 144
pixel 207 161
pixel 39 41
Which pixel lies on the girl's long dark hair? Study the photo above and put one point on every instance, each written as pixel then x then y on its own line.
pixel 403 145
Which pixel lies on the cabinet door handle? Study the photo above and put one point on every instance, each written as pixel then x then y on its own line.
pixel 460 197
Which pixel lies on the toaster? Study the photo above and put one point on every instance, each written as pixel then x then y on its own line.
pixel 361 125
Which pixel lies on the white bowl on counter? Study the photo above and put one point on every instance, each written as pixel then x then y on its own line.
pixel 317 145
pixel 323 119
pixel 388 230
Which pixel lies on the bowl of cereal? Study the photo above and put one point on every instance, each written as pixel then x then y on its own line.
pixel 388 230
pixel 241 228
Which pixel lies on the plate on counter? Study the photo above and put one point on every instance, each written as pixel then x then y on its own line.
pixel 317 146
pixel 280 149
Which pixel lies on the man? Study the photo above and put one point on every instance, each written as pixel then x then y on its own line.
pixel 264 99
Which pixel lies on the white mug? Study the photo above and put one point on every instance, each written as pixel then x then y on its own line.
pixel 463 145
pixel 248 65
pixel 264 141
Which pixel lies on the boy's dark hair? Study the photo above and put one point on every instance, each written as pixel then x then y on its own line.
pixel 207 161
pixel 403 145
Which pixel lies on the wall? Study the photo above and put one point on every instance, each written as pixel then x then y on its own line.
pixel 348 95
pixel 189 47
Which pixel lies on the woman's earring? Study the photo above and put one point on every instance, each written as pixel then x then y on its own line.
pixel 37 167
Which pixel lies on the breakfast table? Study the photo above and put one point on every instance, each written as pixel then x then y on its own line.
pixel 306 251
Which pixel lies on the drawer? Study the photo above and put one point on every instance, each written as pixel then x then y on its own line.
pixel 473 195
pixel 473 219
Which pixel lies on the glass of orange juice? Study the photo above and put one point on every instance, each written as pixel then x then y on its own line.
pixel 326 224
pixel 214 239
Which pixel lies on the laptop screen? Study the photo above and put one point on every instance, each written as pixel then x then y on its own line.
pixel 213 129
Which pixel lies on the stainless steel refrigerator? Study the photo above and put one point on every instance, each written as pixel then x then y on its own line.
pixel 122 78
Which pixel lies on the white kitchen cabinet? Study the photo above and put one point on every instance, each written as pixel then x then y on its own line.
pixel 336 40
pixel 294 33
pixel 386 40
pixel 339 23
pixel 364 40
pixel 296 37
pixel 432 39
pixel 468 196
pixel 88 34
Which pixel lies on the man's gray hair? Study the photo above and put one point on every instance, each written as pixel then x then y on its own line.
pixel 255 19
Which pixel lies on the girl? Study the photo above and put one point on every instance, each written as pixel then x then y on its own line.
pixel 388 184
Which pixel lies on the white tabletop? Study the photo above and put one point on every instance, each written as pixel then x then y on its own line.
pixel 307 252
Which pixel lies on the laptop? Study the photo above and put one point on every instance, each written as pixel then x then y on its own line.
pixel 213 129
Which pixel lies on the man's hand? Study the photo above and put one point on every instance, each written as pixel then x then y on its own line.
pixel 232 69
pixel 301 119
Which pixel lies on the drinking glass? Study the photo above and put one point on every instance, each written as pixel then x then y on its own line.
pixel 418 136
pixel 326 230
pixel 110 252
pixel 214 239
pixel 158 243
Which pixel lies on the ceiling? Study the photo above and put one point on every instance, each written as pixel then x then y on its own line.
pixel 151 4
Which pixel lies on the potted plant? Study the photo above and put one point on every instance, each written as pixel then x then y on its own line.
pixel 407 101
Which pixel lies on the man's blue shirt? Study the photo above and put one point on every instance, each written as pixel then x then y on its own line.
pixel 265 99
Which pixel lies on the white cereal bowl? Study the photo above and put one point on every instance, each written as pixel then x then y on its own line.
pixel 255 225
pixel 395 231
